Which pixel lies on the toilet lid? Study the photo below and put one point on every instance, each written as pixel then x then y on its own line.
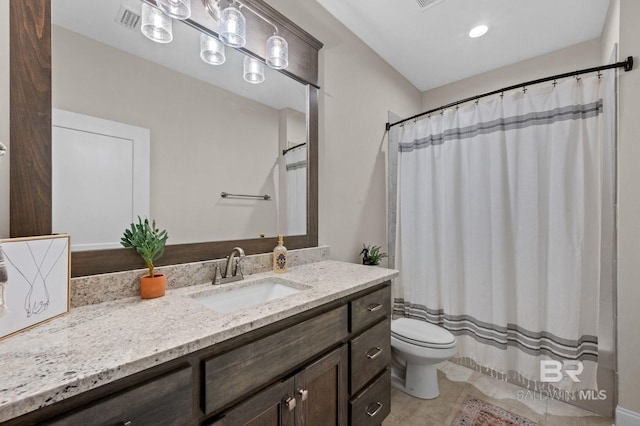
pixel 421 333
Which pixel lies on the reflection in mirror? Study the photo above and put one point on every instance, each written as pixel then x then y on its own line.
pixel 207 131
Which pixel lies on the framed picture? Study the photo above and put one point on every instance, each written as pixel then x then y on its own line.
pixel 34 281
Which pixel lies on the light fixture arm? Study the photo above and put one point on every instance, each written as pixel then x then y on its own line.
pixel 242 5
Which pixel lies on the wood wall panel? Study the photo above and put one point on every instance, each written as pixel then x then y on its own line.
pixel 30 117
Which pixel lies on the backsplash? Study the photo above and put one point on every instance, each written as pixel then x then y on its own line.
pixel 94 289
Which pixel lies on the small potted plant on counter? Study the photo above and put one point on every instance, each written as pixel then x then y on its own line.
pixel 149 242
pixel 371 255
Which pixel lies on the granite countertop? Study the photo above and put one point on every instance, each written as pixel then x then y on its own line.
pixel 97 344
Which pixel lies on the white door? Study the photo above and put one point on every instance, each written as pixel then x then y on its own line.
pixel 100 178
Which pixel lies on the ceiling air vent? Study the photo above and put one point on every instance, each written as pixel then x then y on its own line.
pixel 427 4
pixel 128 18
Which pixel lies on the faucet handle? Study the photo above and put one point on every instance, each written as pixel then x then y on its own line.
pixel 238 268
pixel 217 276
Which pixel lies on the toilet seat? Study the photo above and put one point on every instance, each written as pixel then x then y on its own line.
pixel 421 333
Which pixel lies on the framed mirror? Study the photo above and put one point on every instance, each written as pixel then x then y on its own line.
pixel 184 191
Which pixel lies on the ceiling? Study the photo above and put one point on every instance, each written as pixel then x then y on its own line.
pixel 430 46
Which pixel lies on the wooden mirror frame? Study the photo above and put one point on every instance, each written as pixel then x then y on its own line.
pixel 30 140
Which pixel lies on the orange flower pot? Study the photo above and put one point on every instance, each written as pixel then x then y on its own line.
pixel 152 287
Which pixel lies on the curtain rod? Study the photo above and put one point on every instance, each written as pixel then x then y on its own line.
pixel 627 65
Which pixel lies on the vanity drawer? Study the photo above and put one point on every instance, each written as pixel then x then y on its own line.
pixel 236 373
pixel 370 308
pixel 373 404
pixel 369 354
pixel 167 400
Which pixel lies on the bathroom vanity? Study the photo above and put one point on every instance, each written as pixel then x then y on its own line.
pixel 320 356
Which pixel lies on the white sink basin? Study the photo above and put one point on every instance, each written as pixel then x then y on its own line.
pixel 243 294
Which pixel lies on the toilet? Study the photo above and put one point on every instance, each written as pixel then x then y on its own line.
pixel 417 346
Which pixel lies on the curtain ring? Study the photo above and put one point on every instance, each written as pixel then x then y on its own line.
pixel 441 112
pixel 501 95
pixel 477 101
pixel 578 78
pixel 555 82
pixel 524 89
pixel 599 75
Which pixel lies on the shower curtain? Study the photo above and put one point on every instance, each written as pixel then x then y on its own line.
pixel 501 215
pixel 296 181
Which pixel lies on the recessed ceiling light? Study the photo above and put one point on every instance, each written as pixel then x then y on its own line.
pixel 478 31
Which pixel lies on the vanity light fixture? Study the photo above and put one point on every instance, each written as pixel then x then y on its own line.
pixel 178 9
pixel 233 32
pixel 211 50
pixel 156 26
pixel 253 70
pixel 233 27
pixel 478 31
pixel 277 52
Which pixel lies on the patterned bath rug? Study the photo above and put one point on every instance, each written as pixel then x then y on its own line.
pixel 479 413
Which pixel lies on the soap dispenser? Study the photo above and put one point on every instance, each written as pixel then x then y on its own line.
pixel 280 256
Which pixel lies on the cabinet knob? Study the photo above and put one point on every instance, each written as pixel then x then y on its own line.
pixel 290 403
pixel 374 352
pixel 375 307
pixel 375 411
pixel 303 394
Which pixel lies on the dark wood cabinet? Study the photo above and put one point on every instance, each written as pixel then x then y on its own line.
pixel 370 358
pixel 328 366
pixel 322 391
pixel 165 400
pixel 373 404
pixel 274 406
pixel 236 373
pixel 370 353
pixel 316 396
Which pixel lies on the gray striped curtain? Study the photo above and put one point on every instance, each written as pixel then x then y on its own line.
pixel 501 218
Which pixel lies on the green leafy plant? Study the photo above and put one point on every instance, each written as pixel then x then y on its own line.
pixel 371 255
pixel 148 241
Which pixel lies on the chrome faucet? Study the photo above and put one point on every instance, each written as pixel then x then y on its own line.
pixel 233 270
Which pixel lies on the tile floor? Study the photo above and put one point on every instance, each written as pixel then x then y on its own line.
pixel 457 383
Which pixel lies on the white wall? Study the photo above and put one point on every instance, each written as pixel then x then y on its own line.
pixel 358 88
pixel 4 117
pixel 629 211
pixel 582 55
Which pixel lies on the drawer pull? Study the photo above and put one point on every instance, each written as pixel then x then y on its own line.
pixel 303 394
pixel 290 403
pixel 373 308
pixel 127 423
pixel 374 412
pixel 374 355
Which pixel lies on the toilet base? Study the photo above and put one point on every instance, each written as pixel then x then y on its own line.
pixel 425 388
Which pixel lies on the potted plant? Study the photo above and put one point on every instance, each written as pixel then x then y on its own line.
pixel 371 255
pixel 149 242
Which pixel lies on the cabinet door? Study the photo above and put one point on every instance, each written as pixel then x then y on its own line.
pixel 274 406
pixel 321 391
pixel 166 400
